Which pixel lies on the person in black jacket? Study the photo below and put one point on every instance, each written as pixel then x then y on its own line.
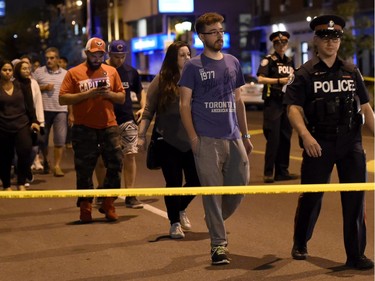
pixel 327 101
pixel 17 124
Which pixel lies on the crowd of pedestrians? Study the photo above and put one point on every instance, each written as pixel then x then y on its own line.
pixel 201 127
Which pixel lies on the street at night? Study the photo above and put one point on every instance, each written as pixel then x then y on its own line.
pixel 42 240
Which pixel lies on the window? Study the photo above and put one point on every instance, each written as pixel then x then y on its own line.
pixel 304 52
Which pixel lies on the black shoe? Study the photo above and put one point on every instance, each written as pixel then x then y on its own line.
pixel 219 255
pixel 133 203
pixel 46 168
pixel 286 177
pixel 363 263
pixel 299 253
pixel 268 179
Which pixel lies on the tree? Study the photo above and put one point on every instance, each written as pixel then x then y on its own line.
pixel 356 39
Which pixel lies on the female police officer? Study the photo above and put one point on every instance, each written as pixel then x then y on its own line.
pixel 326 102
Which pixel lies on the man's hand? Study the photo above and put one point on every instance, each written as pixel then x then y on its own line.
pixel 311 146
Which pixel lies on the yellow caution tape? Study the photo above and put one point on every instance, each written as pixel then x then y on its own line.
pixel 212 190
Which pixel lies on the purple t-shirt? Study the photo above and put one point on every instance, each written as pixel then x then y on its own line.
pixel 213 83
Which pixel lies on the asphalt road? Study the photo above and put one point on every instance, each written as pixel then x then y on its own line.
pixel 40 239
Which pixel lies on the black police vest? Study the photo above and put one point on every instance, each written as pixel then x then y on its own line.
pixel 334 107
pixel 277 69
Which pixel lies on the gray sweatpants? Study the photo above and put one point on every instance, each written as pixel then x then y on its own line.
pixel 221 162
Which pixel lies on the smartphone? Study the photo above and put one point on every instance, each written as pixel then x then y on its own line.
pixel 102 84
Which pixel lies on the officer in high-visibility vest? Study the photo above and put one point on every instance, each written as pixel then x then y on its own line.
pixel 274 72
pixel 327 101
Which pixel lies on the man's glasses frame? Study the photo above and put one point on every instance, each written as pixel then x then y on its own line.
pixel 214 32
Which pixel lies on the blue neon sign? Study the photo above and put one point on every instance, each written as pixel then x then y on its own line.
pixel 151 42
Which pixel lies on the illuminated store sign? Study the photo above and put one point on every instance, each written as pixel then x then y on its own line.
pixel 2 8
pixel 176 6
pixel 162 41
pixel 151 42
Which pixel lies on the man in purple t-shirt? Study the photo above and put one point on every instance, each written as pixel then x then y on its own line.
pixel 214 117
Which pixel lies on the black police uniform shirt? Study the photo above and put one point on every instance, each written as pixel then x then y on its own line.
pixel 316 80
pixel 273 66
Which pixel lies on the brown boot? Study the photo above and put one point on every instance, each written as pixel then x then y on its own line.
pixel 85 209
pixel 108 209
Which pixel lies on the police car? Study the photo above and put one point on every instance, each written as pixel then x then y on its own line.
pixel 251 92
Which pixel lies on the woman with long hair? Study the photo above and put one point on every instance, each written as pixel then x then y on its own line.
pixel 17 122
pixel 177 158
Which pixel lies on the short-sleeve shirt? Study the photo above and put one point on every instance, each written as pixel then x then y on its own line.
pixel 301 90
pixel 132 83
pixel 273 66
pixel 97 113
pixel 44 76
pixel 213 83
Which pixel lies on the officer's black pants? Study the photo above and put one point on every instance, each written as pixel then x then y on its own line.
pixel 277 131
pixel 351 166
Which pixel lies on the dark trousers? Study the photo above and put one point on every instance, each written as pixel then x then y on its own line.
pixel 175 165
pixel 277 131
pixel 21 143
pixel 351 166
pixel 88 144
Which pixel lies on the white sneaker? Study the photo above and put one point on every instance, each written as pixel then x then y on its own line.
pixel 38 166
pixel 184 220
pixel 176 231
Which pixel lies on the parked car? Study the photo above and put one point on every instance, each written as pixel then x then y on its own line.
pixel 251 92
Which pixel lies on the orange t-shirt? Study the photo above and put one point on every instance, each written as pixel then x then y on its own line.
pixel 97 113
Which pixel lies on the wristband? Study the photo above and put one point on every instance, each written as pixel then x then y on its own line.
pixel 246 136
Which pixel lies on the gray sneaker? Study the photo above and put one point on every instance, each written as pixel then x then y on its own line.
pixel 219 255
pixel 133 203
pixel 184 220
pixel 176 231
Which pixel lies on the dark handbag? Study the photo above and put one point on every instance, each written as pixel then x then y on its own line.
pixel 153 161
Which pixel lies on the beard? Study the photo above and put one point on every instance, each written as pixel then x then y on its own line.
pixel 94 66
pixel 215 46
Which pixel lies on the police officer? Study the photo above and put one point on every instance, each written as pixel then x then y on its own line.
pixel 274 72
pixel 326 102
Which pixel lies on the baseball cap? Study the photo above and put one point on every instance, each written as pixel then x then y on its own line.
pixel 95 45
pixel 328 25
pixel 117 46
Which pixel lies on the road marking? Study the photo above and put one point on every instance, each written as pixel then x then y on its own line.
pixel 152 209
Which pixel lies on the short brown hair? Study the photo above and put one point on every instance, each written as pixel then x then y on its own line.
pixel 207 19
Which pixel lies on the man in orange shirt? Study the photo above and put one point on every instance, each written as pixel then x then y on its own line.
pixel 91 88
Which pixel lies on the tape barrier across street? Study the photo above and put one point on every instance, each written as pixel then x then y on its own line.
pixel 212 190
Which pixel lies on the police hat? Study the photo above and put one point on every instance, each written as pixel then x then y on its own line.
pixel 328 25
pixel 279 35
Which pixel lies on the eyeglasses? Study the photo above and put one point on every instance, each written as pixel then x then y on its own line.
pixel 327 38
pixel 278 42
pixel 214 32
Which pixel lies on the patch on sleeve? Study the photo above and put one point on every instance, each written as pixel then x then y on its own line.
pixel 291 79
pixel 264 62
